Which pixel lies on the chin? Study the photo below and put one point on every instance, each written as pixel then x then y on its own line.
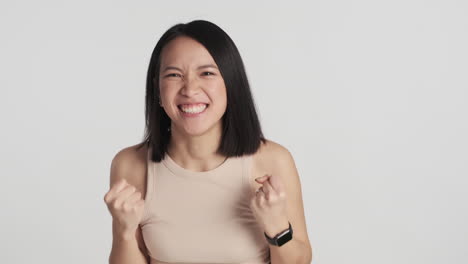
pixel 198 130
pixel 195 131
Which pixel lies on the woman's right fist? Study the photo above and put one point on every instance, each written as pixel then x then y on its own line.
pixel 125 205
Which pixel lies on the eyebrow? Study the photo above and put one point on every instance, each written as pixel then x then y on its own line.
pixel 199 67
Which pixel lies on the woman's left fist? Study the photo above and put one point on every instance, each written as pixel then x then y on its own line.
pixel 269 205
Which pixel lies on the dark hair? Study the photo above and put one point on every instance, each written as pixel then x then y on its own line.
pixel 241 132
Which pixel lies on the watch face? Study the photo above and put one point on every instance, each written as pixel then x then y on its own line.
pixel 284 238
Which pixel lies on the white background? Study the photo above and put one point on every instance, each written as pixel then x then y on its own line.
pixel 369 96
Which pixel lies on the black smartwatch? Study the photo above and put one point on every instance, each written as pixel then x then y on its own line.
pixel 281 238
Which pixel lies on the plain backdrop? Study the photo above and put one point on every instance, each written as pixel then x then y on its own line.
pixel 369 97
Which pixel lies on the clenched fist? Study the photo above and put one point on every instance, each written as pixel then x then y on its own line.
pixel 126 207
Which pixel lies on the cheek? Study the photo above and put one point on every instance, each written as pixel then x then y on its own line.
pixel 218 93
pixel 165 92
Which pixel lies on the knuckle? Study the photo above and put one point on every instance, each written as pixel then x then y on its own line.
pixel 127 208
pixel 115 204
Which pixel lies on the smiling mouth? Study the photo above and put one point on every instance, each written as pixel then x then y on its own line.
pixel 193 109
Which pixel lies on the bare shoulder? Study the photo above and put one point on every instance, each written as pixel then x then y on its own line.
pixel 272 149
pixel 130 163
pixel 270 154
pixel 268 157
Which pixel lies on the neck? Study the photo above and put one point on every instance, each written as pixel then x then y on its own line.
pixel 196 153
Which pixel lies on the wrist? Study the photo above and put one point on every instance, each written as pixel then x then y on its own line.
pixel 122 234
pixel 275 228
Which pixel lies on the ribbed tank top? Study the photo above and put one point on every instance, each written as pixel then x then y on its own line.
pixel 201 217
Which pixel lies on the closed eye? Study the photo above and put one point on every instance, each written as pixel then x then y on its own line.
pixel 172 75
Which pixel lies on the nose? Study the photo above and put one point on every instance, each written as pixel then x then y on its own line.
pixel 190 86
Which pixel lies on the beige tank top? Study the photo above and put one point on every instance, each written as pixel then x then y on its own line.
pixel 201 217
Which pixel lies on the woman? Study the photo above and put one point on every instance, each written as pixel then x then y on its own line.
pixel 215 190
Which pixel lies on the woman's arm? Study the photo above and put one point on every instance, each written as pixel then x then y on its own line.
pixel 298 250
pixel 127 248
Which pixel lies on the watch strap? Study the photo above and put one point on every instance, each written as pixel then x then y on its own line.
pixel 280 238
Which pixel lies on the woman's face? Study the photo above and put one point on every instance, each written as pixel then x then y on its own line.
pixel 192 90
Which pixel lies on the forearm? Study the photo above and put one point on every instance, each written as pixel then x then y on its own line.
pixel 125 251
pixel 293 252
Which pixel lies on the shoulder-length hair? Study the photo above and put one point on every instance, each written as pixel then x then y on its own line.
pixel 241 130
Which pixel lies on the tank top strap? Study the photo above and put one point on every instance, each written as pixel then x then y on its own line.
pixel 150 172
pixel 247 164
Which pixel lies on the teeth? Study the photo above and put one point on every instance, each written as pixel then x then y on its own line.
pixel 193 109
